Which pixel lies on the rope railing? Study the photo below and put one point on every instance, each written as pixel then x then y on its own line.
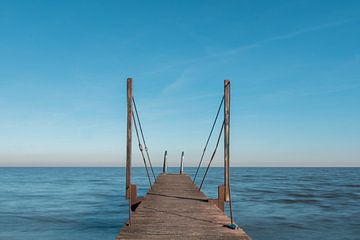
pixel 141 150
pixel 143 138
pixel 208 139
pixel 213 155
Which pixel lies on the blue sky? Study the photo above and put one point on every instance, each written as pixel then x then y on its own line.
pixel 294 68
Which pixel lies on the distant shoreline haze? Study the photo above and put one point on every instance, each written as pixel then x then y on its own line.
pixel 191 160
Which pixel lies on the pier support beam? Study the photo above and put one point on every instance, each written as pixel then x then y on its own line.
pixel 220 200
pixel 227 138
pixel 128 138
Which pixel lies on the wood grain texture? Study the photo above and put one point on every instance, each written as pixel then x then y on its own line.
pixel 128 137
pixel 175 209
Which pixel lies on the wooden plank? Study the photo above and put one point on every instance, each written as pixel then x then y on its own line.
pixel 175 209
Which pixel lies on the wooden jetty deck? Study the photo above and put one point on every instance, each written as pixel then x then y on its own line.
pixel 175 209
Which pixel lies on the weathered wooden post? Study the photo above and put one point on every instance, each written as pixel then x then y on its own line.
pixel 226 138
pixel 128 193
pixel 129 137
pixel 182 163
pixel 165 163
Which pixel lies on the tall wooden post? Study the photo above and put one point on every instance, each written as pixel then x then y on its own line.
pixel 227 138
pixel 129 138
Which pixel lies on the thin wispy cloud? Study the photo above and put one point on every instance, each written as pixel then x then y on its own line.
pixel 289 35
pixel 311 91
pixel 310 29
pixel 247 47
pixel 178 82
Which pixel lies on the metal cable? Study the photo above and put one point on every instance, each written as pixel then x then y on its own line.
pixel 143 138
pixel 141 149
pixel 207 141
pixel 213 155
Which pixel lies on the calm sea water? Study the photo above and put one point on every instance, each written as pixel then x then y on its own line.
pixel 269 203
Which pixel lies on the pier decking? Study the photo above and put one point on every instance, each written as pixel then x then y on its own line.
pixel 175 209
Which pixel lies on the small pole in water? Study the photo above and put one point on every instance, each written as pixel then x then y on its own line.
pixel 182 163
pixel 165 163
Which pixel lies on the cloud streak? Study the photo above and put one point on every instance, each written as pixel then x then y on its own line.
pixel 310 29
pixel 178 82
pixel 237 50
pixel 291 35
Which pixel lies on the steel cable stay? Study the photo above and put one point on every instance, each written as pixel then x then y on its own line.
pixel 143 138
pixel 208 139
pixel 141 149
pixel 213 155
pixel 232 225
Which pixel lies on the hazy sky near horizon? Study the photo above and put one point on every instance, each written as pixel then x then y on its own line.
pixel 294 68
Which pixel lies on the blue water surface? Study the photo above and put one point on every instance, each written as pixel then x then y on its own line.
pixel 269 203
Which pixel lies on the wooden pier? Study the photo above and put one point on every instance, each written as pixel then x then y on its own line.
pixel 174 207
